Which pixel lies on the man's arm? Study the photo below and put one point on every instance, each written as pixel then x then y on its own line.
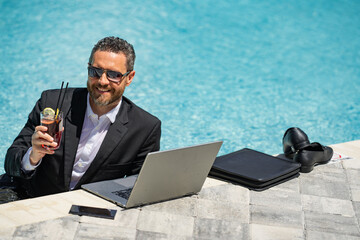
pixel 151 144
pixel 30 136
pixel 21 144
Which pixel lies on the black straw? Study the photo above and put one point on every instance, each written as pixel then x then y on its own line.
pixel 67 84
pixel 57 103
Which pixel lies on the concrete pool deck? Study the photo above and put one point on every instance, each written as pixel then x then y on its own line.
pixel 322 204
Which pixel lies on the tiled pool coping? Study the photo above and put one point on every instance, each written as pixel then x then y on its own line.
pixel 324 203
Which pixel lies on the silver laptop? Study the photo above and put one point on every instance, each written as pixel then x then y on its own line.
pixel 164 175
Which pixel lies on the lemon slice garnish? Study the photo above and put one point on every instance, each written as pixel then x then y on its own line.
pixel 48 112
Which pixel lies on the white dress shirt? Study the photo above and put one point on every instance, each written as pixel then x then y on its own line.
pixel 93 133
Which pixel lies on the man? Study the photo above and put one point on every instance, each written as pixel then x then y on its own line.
pixel 106 136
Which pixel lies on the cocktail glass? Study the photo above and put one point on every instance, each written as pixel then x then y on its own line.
pixel 54 124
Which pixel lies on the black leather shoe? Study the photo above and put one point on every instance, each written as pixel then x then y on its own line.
pixel 312 155
pixel 294 139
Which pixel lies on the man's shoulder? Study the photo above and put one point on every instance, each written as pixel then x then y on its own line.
pixel 69 94
pixel 134 109
pixel 73 96
pixel 69 91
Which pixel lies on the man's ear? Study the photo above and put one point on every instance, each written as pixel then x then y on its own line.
pixel 130 78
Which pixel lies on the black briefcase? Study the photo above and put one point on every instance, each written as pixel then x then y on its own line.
pixel 252 169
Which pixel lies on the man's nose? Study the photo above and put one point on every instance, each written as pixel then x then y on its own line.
pixel 103 79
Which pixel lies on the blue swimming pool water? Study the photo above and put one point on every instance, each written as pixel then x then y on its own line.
pixel 239 71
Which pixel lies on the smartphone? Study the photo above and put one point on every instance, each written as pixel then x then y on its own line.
pixel 92 211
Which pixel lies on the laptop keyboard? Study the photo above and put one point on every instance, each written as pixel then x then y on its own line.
pixel 123 193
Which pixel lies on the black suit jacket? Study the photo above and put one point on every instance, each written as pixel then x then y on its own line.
pixel 130 138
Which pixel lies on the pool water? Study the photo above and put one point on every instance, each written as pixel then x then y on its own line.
pixel 238 71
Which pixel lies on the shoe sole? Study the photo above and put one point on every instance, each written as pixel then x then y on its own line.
pixel 307 169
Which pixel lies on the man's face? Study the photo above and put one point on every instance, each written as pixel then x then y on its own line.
pixel 104 94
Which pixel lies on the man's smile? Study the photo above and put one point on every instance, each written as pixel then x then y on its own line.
pixel 102 90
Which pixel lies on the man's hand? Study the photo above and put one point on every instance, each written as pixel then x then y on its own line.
pixel 38 139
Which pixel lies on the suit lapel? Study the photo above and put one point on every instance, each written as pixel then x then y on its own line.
pixel 73 126
pixel 116 132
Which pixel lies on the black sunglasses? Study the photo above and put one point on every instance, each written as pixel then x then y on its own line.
pixel 112 76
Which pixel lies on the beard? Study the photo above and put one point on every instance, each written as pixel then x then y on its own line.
pixel 103 100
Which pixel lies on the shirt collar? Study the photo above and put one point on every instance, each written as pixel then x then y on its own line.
pixel 111 115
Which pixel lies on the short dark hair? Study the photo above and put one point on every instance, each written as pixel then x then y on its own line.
pixel 116 45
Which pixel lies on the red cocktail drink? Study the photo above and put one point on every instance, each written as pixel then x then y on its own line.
pixel 54 124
